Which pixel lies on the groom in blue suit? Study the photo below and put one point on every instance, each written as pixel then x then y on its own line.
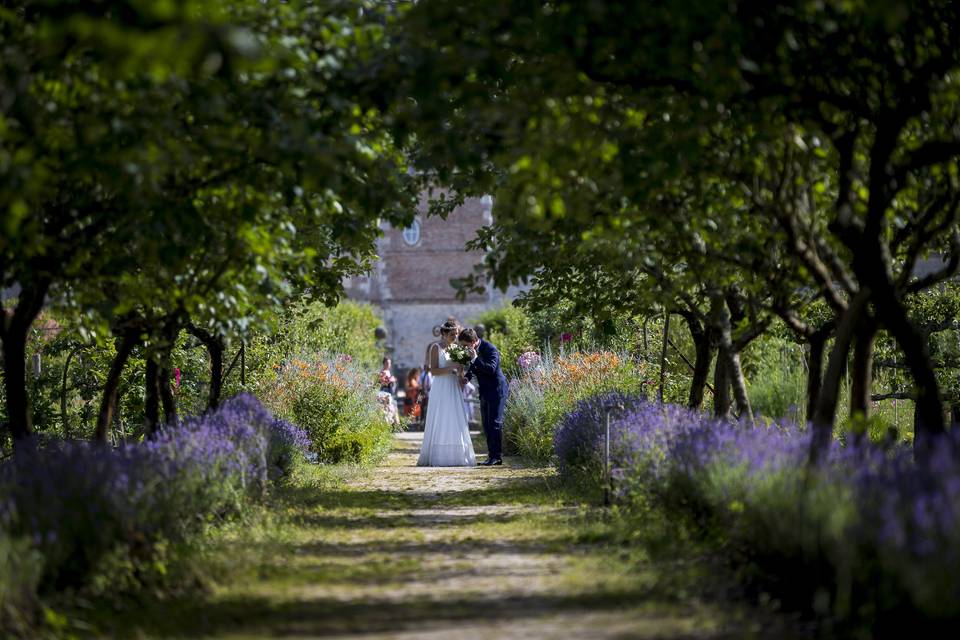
pixel 485 366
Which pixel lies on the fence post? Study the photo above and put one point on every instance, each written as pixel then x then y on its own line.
pixel 663 353
pixel 606 463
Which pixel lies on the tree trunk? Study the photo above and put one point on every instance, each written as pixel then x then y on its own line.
pixel 823 417
pixel 646 352
pixel 152 400
pixel 108 402
pixel 701 363
pixel 862 368
pixel 814 373
pixel 872 265
pixel 929 421
pixel 701 371
pixel 729 356
pixel 15 385
pixel 721 386
pixel 166 396
pixel 214 345
pixel 739 384
pixel 14 326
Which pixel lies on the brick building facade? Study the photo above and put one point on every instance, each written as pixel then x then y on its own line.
pixel 411 282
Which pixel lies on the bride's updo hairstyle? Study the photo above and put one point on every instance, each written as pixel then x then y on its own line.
pixel 449 327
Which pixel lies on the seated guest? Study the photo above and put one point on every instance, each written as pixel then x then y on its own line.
pixel 388 382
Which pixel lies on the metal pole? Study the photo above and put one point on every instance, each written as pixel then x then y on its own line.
pixel 606 464
pixel 896 402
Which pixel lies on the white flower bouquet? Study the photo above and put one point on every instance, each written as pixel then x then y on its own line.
pixel 459 353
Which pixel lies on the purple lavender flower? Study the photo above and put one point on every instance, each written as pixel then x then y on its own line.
pixel 78 501
pixel 878 525
pixel 578 440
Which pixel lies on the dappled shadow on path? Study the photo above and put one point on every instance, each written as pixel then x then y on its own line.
pixel 326 617
pixel 495 491
pixel 408 552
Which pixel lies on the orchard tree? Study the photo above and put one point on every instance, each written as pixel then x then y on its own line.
pixel 537 100
pixel 80 141
pixel 244 170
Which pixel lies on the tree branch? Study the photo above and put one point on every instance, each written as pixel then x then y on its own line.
pixel 923 234
pixel 898 395
pixel 948 271
pixel 926 155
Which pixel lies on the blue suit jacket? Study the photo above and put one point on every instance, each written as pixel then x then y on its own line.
pixel 486 369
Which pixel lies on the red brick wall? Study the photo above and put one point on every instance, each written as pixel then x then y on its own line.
pixel 421 273
pixel 411 284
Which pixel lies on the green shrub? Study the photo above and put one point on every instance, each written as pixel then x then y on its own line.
pixel 511 330
pixel 21 567
pixel 309 329
pixel 335 402
pixel 320 411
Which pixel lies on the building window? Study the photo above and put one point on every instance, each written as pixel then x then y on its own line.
pixel 411 235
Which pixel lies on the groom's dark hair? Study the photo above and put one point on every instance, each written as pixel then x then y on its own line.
pixel 468 335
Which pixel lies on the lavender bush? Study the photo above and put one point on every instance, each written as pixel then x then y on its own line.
pixel 866 537
pixel 579 438
pixel 76 502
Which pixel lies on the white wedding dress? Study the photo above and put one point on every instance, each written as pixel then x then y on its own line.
pixel 446 437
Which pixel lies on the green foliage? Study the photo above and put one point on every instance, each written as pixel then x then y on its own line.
pixel 776 379
pixel 249 166
pixel 311 327
pixel 20 569
pixel 511 329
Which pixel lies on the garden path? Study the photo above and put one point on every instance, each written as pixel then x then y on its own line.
pixel 407 552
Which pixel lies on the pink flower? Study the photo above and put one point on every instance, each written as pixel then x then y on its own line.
pixel 176 376
pixel 566 337
pixel 528 359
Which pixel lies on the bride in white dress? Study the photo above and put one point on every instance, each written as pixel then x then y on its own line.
pixel 446 437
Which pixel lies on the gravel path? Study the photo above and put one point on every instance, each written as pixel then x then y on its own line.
pixel 408 552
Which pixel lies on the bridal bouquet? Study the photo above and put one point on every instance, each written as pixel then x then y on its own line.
pixel 459 353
